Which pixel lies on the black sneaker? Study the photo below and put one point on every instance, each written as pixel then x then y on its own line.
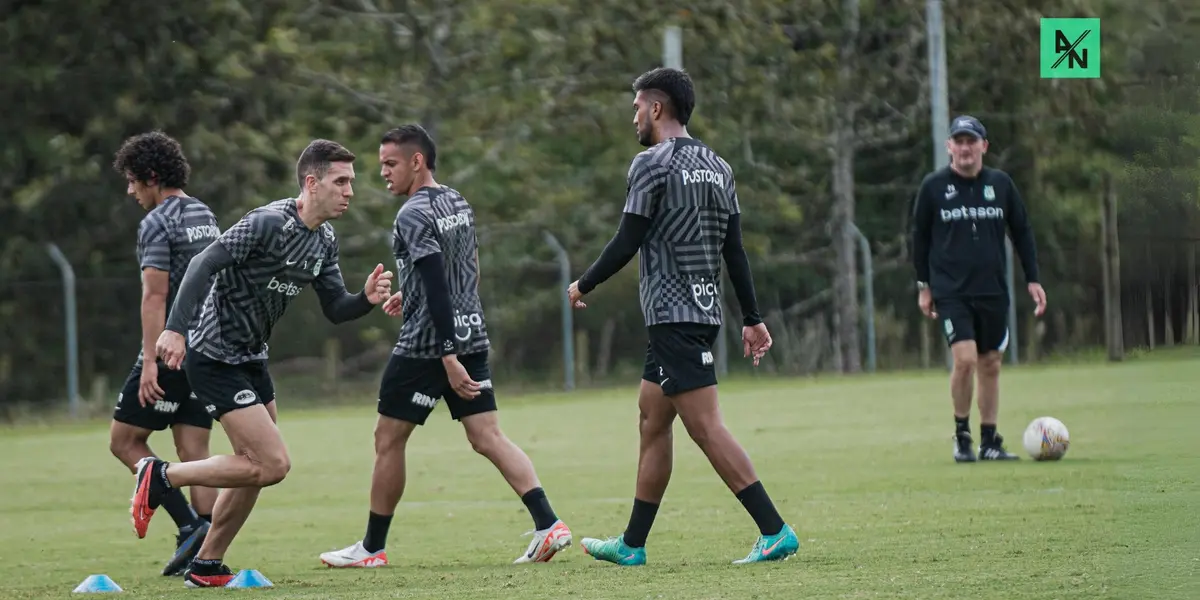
pixel 963 452
pixel 206 576
pixel 187 545
pixel 994 450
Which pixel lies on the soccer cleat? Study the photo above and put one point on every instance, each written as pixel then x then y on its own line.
pixel 144 500
pixel 780 546
pixel 186 547
pixel 355 557
pixel 963 452
pixel 546 543
pixel 994 450
pixel 614 550
pixel 200 576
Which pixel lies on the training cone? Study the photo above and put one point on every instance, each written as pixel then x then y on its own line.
pixel 249 578
pixel 97 584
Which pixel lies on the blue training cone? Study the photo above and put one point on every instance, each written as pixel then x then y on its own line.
pixel 97 584
pixel 249 578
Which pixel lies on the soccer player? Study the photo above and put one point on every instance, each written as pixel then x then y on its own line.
pixel 176 228
pixel 441 353
pixel 959 219
pixel 261 263
pixel 682 212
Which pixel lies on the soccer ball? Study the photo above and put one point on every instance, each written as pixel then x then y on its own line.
pixel 1046 438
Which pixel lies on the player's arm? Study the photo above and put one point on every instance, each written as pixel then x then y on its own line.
pixel 415 229
pixel 337 303
pixel 922 230
pixel 155 262
pixel 1022 233
pixel 734 252
pixel 234 246
pixel 646 183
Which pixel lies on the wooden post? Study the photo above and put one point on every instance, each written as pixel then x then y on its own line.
pixel 1113 332
pixel 333 359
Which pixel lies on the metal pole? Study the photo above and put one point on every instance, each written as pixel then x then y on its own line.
pixel 869 290
pixel 935 33
pixel 568 317
pixel 1012 302
pixel 68 280
pixel 673 47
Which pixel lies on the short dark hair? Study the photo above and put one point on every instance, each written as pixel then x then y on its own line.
pixel 676 84
pixel 153 156
pixel 318 157
pixel 413 134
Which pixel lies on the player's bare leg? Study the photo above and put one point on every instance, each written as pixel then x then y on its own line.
pixel 962 384
pixel 191 445
pixel 550 534
pixel 991 443
pixel 656 416
pixel 260 460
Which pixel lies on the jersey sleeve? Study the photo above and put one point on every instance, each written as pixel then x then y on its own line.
pixel 255 230
pixel 154 243
pixel 645 185
pixel 415 228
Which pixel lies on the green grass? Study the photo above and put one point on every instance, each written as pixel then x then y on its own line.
pixel 860 466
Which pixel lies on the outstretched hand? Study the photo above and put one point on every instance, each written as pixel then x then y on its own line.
pixel 379 285
pixel 394 306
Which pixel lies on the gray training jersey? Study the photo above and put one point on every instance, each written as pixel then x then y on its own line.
pixel 438 219
pixel 169 236
pixel 276 255
pixel 688 193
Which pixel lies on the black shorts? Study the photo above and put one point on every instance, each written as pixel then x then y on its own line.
pixel 983 319
pixel 222 387
pixel 178 405
pixel 411 388
pixel 679 357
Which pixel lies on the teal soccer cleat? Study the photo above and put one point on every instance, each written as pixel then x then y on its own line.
pixel 614 551
pixel 773 547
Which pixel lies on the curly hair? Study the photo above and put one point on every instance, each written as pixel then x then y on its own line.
pixel 676 85
pixel 153 156
pixel 316 159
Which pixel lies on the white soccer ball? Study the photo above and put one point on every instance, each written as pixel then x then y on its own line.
pixel 1046 438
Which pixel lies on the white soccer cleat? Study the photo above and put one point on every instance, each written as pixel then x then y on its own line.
pixel 354 557
pixel 546 543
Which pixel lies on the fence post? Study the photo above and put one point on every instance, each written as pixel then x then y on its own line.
pixel 864 246
pixel 68 280
pixel 1012 301
pixel 568 317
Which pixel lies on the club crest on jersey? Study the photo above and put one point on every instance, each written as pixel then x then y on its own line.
pixel 316 270
pixel 989 193
pixel 705 294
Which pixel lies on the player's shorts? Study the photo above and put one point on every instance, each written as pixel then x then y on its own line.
pixel 411 388
pixel 222 387
pixel 178 405
pixel 983 319
pixel 679 357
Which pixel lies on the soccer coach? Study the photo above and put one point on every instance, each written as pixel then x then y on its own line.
pixel 959 219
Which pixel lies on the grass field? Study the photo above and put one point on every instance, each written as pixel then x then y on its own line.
pixel 860 467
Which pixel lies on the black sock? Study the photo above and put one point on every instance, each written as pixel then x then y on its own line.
pixel 987 432
pixel 177 506
pixel 205 565
pixel 962 425
pixel 640 522
pixel 539 508
pixel 377 532
pixel 759 505
pixel 207 518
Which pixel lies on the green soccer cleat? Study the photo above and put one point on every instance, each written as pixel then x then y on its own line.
pixel 773 547
pixel 614 551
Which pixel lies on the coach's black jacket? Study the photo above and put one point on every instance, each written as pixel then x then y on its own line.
pixel 958 227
